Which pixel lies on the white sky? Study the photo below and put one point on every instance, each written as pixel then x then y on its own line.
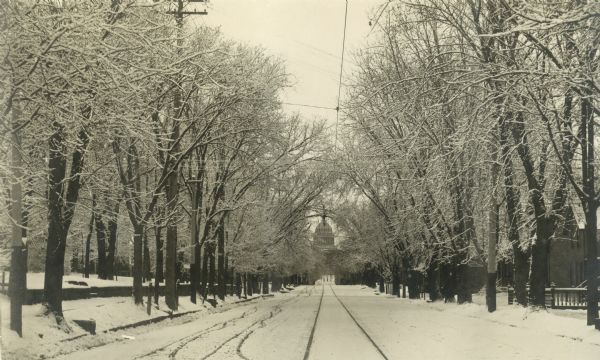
pixel 307 34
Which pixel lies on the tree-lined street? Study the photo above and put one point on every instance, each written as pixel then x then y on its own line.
pixel 280 327
pixel 248 179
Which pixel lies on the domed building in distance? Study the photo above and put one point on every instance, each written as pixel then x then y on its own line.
pixel 324 242
pixel 323 236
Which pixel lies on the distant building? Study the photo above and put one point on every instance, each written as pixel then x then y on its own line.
pixel 323 236
pixel 566 264
pixel 324 243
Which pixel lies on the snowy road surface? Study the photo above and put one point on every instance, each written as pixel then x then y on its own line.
pixel 356 324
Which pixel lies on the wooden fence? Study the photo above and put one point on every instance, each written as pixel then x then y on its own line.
pixel 560 298
pixel 36 296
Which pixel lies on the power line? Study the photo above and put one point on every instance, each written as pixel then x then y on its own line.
pixel 337 109
pixel 310 106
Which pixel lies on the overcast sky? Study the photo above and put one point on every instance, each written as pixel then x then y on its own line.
pixel 307 34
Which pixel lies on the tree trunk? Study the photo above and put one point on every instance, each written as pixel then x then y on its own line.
pixel 101 241
pixel 539 262
pixel 275 283
pixel 265 284
pixel 414 290
pixel 255 284
pixel 204 273
pixel 221 258
pixel 112 246
pixel 395 282
pixel 159 271
pixel 158 261
pixel 513 212
pixel 88 244
pixel 520 273
pixel 171 253
pixel 147 260
pixel 211 268
pixel 61 208
pixel 249 287
pixel 194 237
pixel 448 281
pixel 463 291
pixel 55 246
pixel 433 281
pixel 381 284
pixel 490 293
pixel 55 257
pixel 238 285
pixel 138 234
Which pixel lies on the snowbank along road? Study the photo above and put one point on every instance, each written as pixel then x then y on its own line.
pixel 345 322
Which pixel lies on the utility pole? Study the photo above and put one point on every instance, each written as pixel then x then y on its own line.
pixel 172 187
pixel 590 207
pixel 493 226
pixel 18 261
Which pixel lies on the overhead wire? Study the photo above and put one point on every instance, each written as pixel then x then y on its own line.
pixel 310 106
pixel 337 117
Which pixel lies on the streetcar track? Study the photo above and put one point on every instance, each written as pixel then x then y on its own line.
pixel 312 331
pixel 359 326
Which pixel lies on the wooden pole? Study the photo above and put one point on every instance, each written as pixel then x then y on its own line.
pixel 18 263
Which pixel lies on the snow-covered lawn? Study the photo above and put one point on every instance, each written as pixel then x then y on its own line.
pixel 43 337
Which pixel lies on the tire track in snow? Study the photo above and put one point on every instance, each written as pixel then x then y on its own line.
pixel 359 326
pixel 182 342
pixel 248 330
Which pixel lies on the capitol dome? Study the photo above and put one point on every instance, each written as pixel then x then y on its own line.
pixel 323 236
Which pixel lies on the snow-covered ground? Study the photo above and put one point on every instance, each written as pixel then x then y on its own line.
pixel 44 338
pixel 280 328
pixel 414 328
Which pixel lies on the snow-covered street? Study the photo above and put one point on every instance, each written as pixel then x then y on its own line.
pixel 392 328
